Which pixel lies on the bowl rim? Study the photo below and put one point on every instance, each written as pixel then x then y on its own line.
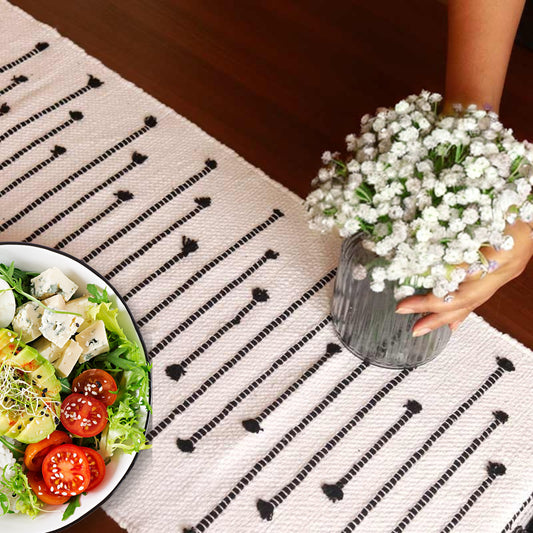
pixel 137 331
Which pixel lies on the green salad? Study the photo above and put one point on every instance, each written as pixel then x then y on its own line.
pixel 74 390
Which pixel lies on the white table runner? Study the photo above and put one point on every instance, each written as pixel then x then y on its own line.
pixel 258 412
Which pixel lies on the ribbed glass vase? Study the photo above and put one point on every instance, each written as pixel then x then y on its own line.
pixel 366 321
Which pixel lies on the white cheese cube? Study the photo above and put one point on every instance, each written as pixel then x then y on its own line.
pixel 59 327
pixel 55 302
pixel 81 307
pixel 47 349
pixel 68 358
pixel 93 341
pixel 27 321
pixel 52 281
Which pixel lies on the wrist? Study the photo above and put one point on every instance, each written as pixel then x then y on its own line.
pixel 452 106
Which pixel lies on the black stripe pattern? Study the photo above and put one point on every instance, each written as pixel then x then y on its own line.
pixel 136 160
pixel 74 116
pixel 177 370
pixel 208 519
pixel 56 152
pixel 188 445
pixel 173 194
pixel 15 82
pixel 247 348
pixel 494 470
pixel 276 215
pixel 39 47
pixel 93 83
pixel 504 365
pixel 149 122
pixel 258 295
pixel 201 204
pixel 334 491
pixel 499 418
pixel 266 508
pixel 253 425
pixel 509 526
pixel 254 267
pixel 121 196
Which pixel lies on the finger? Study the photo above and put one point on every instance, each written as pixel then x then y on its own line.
pixel 434 321
pixel 470 294
pixel 454 326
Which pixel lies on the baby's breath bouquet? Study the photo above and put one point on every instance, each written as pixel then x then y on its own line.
pixel 426 191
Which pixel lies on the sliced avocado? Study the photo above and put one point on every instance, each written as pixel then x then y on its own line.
pixel 18 426
pixel 8 343
pixel 27 358
pixel 38 429
pixel 40 375
pixel 41 371
pixel 44 377
pixel 5 422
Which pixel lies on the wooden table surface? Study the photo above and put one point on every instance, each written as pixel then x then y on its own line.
pixel 280 81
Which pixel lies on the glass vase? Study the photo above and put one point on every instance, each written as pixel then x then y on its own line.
pixel 366 321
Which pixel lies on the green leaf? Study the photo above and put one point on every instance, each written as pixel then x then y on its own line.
pixel 97 296
pixel 19 281
pixel 123 431
pixel 104 312
pixel 128 365
pixel 71 507
pixel 17 452
pixel 4 504
pixel 65 386
pixel 18 485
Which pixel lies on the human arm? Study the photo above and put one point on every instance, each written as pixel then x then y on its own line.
pixel 480 39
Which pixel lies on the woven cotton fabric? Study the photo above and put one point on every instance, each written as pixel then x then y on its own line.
pixel 261 421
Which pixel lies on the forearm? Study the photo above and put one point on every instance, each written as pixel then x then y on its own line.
pixel 480 40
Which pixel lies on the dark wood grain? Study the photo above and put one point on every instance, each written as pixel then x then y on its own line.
pixel 280 81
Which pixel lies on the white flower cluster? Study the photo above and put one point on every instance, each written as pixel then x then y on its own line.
pixel 427 192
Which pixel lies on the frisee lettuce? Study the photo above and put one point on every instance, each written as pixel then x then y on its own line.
pixel 18 485
pixel 128 365
pixel 123 431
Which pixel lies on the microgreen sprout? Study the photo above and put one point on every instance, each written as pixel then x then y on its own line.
pixel 18 397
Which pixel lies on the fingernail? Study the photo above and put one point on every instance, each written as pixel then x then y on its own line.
pixel 405 311
pixel 420 332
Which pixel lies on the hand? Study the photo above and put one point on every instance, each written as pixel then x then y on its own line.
pixel 475 290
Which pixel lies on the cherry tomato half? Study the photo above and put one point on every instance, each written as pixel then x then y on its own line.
pixel 35 453
pixel 83 416
pixel 42 492
pixel 97 466
pixel 66 470
pixel 97 384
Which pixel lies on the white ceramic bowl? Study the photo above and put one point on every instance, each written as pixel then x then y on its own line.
pixel 36 258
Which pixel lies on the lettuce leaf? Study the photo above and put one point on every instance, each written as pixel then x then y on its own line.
pixel 18 485
pixel 124 430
